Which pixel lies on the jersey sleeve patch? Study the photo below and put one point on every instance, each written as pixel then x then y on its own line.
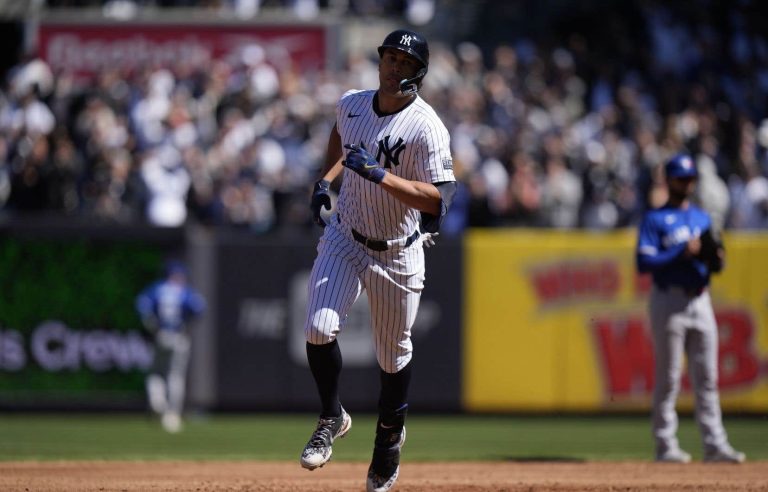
pixel 448 164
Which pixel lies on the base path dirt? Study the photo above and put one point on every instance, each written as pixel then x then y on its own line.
pixel 106 476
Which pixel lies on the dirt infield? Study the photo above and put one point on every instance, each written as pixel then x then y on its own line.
pixel 106 476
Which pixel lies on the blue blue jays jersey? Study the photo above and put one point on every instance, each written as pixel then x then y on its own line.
pixel 663 235
pixel 170 304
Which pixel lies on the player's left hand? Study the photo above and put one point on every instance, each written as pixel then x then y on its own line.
pixel 712 251
pixel 429 239
pixel 363 163
pixel 321 198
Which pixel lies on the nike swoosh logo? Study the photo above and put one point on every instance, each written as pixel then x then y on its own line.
pixel 386 426
pixel 350 115
pixel 370 166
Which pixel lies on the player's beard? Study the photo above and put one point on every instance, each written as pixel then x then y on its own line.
pixel 678 196
pixel 391 87
pixel 680 191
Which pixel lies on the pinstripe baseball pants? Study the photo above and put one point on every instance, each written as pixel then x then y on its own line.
pixel 393 279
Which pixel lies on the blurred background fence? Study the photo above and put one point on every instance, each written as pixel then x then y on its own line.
pixel 131 131
pixel 512 320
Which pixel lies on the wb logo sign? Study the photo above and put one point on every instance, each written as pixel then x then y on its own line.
pixel 390 152
pixel 406 39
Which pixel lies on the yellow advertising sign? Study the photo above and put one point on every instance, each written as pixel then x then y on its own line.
pixel 557 320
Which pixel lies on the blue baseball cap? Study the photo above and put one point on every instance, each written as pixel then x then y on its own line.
pixel 681 166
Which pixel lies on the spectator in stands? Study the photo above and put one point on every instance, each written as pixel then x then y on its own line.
pixel 561 195
pixel 237 140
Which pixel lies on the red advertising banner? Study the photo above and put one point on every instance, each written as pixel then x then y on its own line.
pixel 86 48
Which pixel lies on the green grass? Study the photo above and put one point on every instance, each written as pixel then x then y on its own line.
pixel 430 438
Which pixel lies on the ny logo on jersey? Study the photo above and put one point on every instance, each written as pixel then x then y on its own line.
pixel 391 153
pixel 406 39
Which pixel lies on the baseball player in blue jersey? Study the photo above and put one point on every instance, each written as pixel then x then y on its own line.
pixel 397 186
pixel 166 307
pixel 676 245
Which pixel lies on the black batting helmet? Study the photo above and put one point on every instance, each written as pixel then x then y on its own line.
pixel 411 42
pixel 415 45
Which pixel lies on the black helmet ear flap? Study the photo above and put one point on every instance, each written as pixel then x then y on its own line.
pixel 411 86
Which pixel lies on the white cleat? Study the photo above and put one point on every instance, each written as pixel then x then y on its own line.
pixel 724 455
pixel 319 449
pixel 385 467
pixel 674 456
pixel 171 422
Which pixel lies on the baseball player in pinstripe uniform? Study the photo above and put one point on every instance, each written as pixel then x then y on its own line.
pixel 397 186
pixel 673 246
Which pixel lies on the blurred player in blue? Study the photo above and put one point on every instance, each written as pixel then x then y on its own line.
pixel 677 245
pixel 166 308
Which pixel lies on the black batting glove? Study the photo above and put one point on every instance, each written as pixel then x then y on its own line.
pixel 320 198
pixel 363 163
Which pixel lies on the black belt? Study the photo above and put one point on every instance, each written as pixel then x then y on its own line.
pixel 378 244
pixel 689 291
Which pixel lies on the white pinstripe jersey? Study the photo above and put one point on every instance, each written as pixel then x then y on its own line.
pixel 412 143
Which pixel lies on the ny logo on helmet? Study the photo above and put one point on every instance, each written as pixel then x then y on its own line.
pixel 391 153
pixel 406 39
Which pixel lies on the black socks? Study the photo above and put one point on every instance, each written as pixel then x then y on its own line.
pixel 394 388
pixel 325 364
pixel 392 406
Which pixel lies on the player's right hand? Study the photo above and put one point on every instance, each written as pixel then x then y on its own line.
pixel 693 247
pixel 321 197
pixel 363 163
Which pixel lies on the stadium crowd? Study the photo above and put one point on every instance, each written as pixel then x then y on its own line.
pixel 543 135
